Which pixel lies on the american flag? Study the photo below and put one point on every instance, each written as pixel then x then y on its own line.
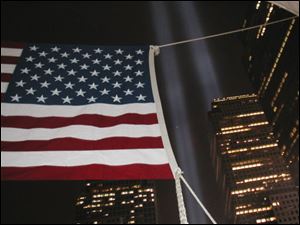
pixel 74 112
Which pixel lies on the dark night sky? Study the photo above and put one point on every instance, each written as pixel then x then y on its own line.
pixel 189 77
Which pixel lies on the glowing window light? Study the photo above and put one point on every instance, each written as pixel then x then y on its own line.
pixel 80 203
pixel 231 128
pixel 264 146
pixel 243 206
pixel 275 204
pixel 235 131
pixel 266 82
pixel 262 29
pixel 265 220
pixel 258 124
pixel 257 5
pixel 234 97
pixel 282 82
pixel 274 176
pixel 250 149
pixel 248 190
pixel 250 114
pixel 247 166
pixel 250 211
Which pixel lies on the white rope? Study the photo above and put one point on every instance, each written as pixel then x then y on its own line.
pixel 180 201
pixel 226 33
pixel 154 51
pixel 198 200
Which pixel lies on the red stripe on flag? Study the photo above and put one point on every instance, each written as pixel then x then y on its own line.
pixel 89 172
pixel 9 60
pixel 2 99
pixel 9 44
pixel 60 144
pixel 91 120
pixel 5 77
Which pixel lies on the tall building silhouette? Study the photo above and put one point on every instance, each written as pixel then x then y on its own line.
pixel 250 171
pixel 117 202
pixel 272 62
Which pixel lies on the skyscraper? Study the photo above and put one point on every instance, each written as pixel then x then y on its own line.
pixel 117 202
pixel 257 186
pixel 272 62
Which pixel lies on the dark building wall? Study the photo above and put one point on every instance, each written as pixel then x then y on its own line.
pixel 272 63
pixel 117 202
pixel 248 163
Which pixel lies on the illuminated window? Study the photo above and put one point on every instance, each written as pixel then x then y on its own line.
pixel 256 210
pixel 80 203
pixel 257 5
pixel 266 82
pixel 274 204
pixel 295 141
pixel 274 176
pixel 248 190
pixel 277 114
pixel 279 89
pixel 250 149
pixel 235 131
pixel 231 128
pixel 247 166
pixel 250 114
pixel 293 132
pixel 265 220
pixel 258 124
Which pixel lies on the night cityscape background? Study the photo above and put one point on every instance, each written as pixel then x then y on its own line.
pixel 192 79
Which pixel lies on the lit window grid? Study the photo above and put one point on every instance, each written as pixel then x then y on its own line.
pixel 282 82
pixel 264 85
pixel 277 115
pixel 248 190
pixel 241 196
pixel 231 130
pixel 254 148
pixel 255 165
pixel 262 29
pixel 231 98
pixel 147 196
pixel 261 178
pixel 266 220
pixel 255 210
pixel 242 126
pixel 257 5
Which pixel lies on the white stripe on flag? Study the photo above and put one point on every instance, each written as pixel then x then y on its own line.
pixel 81 132
pixel 8 68
pixel 15 52
pixel 4 86
pixel 11 109
pixel 79 158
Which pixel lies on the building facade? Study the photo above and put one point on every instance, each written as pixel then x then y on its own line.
pixel 117 202
pixel 272 62
pixel 250 169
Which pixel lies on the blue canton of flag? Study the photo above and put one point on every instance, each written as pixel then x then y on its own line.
pixel 67 74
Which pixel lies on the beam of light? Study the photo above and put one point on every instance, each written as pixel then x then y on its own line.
pixel 202 60
pixel 176 105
